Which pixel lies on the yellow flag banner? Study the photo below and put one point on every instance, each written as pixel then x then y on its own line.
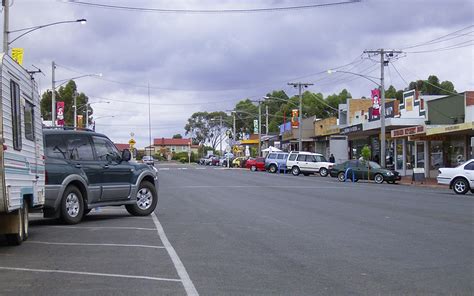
pixel 17 55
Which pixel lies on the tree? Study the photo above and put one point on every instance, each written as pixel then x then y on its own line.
pixel 177 136
pixel 432 86
pixel 65 94
pixel 205 127
pixel 246 113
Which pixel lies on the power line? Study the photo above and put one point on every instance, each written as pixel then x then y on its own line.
pixel 454 46
pixel 435 40
pixel 212 11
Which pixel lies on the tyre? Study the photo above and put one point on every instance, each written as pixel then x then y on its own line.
pixel 341 177
pixel 72 205
pixel 460 186
pixel 26 223
pixel 391 182
pixel 323 172
pixel 295 171
pixel 272 169
pixel 15 239
pixel 253 168
pixel 378 178
pixel 147 199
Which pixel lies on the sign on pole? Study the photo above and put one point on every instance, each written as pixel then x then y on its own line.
pixel 255 126
pixel 17 55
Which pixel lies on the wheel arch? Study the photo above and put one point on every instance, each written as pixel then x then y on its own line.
pixel 456 178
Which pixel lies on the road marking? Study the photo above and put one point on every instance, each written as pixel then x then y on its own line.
pixel 103 227
pixel 163 169
pixel 182 168
pixel 98 245
pixel 182 273
pixel 200 168
pixel 91 273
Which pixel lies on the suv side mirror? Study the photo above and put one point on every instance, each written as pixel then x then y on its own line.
pixel 126 155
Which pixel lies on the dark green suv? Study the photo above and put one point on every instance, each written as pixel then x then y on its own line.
pixel 85 170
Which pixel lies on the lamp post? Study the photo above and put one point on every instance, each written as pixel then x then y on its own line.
pixel 86 105
pixel 112 116
pixel 53 93
pixel 6 32
pixel 300 115
pixel 382 107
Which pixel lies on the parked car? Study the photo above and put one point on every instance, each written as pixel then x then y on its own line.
pixel 275 161
pixel 362 171
pixel 148 159
pixel 85 170
pixel 255 164
pixel 208 160
pixel 215 160
pixel 460 178
pixel 308 163
pixel 239 162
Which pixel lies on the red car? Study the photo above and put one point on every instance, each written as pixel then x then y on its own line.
pixel 255 164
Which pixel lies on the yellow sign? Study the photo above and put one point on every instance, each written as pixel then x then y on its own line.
pixel 17 55
pixel 132 142
pixel 450 128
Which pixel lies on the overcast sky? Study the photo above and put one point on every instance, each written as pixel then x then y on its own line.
pixel 208 62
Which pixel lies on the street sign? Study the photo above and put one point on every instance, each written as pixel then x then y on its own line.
pixel 132 142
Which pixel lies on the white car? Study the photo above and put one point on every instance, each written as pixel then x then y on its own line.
pixel 460 178
pixel 308 163
pixel 148 159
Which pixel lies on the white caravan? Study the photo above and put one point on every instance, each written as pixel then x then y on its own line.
pixel 22 173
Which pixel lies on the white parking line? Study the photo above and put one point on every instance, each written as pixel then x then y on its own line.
pixel 200 168
pixel 91 273
pixel 182 273
pixel 103 227
pixel 95 245
pixel 163 169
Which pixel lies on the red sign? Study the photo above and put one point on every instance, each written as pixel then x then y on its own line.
pixel 375 102
pixel 294 118
pixel 60 113
pixel 408 131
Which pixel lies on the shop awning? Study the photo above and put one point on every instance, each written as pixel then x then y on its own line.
pixel 451 128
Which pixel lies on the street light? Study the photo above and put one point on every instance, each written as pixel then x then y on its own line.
pixel 102 117
pixel 6 32
pixel 382 108
pixel 53 93
pixel 87 110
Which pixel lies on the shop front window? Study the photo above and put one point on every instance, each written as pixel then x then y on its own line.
pixel 456 152
pixel 436 154
pixel 410 155
pixel 420 155
pixel 399 145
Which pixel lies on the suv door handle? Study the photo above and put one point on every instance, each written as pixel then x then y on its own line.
pixel 106 166
pixel 78 165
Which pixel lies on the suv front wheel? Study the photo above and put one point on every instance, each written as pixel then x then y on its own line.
pixel 147 199
pixel 295 171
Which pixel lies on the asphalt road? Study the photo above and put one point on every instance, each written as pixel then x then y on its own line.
pixel 254 233
pixel 236 232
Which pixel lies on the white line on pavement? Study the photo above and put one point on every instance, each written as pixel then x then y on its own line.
pixel 91 273
pixel 163 169
pixel 95 245
pixel 182 273
pixel 103 227
pixel 200 168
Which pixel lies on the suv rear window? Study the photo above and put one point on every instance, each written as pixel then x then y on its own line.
pixel 281 156
pixel 320 158
pixel 292 157
pixel 272 156
pixel 301 157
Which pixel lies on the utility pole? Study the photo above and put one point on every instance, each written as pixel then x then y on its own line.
pixel 390 53
pixel 87 115
pixel 6 20
pixel 300 115
pixel 220 135
pixel 74 95
pixel 149 120
pixel 53 95
pixel 266 120
pixel 233 131
pixel 259 128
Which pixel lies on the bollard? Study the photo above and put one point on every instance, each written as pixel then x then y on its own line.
pixel 353 175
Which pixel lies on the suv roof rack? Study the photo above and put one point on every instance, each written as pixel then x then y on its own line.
pixel 66 127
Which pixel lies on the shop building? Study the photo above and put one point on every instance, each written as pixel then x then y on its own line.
pixel 328 140
pixel 290 136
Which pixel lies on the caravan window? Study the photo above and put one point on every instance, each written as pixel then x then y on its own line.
pixel 29 121
pixel 16 114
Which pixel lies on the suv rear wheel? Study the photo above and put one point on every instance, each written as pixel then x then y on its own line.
pixel 272 169
pixel 146 200
pixel 72 205
pixel 295 171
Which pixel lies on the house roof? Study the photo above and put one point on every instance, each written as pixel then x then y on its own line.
pixel 171 142
pixel 121 146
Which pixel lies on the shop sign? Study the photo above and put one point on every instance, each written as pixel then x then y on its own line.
pixel 427 138
pixel 389 111
pixel 294 118
pixel 352 129
pixel 408 131
pixel 450 128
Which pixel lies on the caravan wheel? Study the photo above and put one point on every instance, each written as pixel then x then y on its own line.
pixel 16 239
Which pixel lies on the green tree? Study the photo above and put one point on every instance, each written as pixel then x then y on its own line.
pixel 65 94
pixel 177 136
pixel 205 127
pixel 246 113
pixel 432 86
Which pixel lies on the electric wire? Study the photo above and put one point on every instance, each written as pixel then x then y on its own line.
pixel 211 11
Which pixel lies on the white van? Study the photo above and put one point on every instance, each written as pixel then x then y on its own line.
pixel 22 173
pixel 308 163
